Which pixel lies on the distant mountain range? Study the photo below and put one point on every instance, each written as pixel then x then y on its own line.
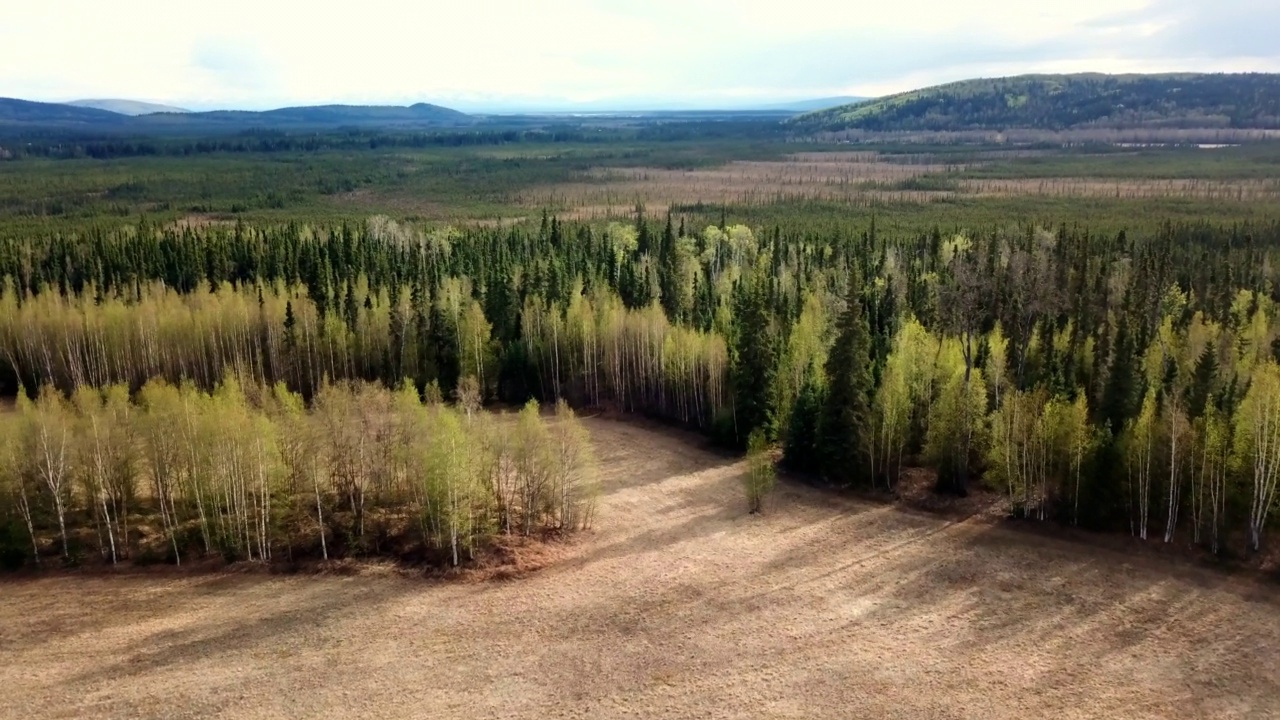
pixel 134 116
pixel 321 116
pixel 21 114
pixel 1059 102
pixel 38 114
pixel 1049 102
pixel 127 107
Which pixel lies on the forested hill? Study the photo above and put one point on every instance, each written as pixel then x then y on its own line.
pixel 1056 102
pixel 15 112
pixel 320 116
pixel 23 114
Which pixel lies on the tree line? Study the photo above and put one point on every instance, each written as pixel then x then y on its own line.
pixel 1115 381
pixel 62 145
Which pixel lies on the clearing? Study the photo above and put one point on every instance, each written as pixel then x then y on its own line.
pixel 679 605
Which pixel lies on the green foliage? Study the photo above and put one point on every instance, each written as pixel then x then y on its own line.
pixel 904 393
pixel 1123 388
pixel 1038 449
pixel 760 476
pixel 247 473
pixel 803 356
pixel 1257 448
pixel 802 449
pixel 754 360
pixel 957 426
pixel 845 428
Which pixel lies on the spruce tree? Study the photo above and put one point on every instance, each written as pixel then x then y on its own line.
pixel 444 350
pixel 704 304
pixel 644 243
pixel 290 326
pixel 800 451
pixel 1121 389
pixel 885 327
pixel 350 308
pixel 845 426
pixel 1202 380
pixel 669 275
pixel 755 361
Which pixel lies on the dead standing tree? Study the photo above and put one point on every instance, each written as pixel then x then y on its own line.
pixel 1031 293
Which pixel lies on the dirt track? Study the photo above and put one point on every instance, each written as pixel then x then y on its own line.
pixel 680 605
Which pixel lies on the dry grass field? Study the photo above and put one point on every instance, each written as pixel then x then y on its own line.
pixel 1230 190
pixel 860 179
pixel 853 177
pixel 678 605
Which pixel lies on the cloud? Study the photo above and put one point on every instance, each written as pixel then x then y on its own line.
pixel 1221 29
pixel 234 65
pixel 259 53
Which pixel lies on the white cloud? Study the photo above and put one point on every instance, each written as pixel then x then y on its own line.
pixel 257 53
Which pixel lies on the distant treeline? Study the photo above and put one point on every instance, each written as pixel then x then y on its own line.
pixel 64 144
pixel 63 147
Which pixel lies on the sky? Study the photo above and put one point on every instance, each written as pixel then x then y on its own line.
pixel 478 55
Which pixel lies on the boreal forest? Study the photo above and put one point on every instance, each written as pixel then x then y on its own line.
pixel 297 340
pixel 1124 382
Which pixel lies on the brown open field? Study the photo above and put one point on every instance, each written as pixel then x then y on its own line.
pixel 855 177
pixel 678 605
pixel 1232 190
pixel 858 178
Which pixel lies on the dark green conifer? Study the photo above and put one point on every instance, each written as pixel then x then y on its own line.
pixel 845 427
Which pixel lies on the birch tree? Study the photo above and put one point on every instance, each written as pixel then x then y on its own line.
pixel 576 485
pixel 1140 454
pixel 14 476
pixel 51 449
pixel 1258 445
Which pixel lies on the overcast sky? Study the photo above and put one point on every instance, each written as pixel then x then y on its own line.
pixel 476 53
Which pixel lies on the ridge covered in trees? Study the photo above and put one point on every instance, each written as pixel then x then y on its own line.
pixel 28 114
pixel 1122 381
pixel 1058 102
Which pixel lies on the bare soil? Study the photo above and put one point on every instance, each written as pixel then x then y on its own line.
pixel 678 605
